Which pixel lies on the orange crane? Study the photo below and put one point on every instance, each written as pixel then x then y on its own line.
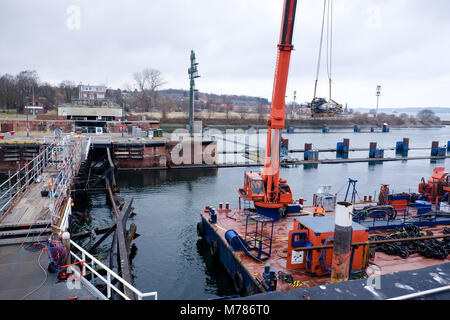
pixel 271 194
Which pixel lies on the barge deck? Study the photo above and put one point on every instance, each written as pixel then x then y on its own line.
pixel 247 273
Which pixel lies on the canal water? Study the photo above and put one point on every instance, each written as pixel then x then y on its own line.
pixel 169 257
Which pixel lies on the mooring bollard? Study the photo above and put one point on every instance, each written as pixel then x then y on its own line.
pixel 434 148
pixel 402 147
pixel 340 268
pixel 372 149
pixel 308 148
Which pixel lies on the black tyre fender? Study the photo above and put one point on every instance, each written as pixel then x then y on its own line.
pixel 214 248
pixel 200 229
pixel 238 283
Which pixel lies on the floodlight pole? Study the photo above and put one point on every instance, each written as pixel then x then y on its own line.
pixel 193 73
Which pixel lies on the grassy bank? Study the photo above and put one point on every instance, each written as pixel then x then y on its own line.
pixel 173 121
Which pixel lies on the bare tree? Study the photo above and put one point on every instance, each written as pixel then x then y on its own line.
pixel 147 82
pixel 425 115
pixel 9 95
pixel 69 89
pixel 25 81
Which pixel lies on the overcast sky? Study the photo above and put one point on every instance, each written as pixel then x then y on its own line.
pixel 403 45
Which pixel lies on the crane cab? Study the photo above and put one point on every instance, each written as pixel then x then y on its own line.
pixel 253 186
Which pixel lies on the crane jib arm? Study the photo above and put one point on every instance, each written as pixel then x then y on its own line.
pixel 277 112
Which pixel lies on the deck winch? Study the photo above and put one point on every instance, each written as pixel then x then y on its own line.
pixel 270 278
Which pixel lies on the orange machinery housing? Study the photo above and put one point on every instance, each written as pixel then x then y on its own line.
pixel 319 231
pixel 437 185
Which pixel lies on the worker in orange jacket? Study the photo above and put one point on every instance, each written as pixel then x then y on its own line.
pixel 319 210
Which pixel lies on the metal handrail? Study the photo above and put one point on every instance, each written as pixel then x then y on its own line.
pixel 109 273
pixel 38 165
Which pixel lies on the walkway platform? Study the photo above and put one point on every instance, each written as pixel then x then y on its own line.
pixel 21 273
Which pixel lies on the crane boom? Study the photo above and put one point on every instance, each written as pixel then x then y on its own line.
pixel 270 194
pixel 277 113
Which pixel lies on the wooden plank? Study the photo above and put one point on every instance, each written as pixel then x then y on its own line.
pixel 123 260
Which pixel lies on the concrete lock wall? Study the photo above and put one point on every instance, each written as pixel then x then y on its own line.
pixel 90 112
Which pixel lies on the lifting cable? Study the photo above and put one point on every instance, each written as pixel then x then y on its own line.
pixel 328 12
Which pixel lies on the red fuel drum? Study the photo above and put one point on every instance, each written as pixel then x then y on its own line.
pixel 319 231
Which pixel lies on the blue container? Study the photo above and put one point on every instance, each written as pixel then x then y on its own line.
pixel 448 145
pixel 311 155
pixel 376 153
pixel 340 147
pixel 379 153
pixel 438 152
pixel 306 155
pixel 293 208
pixel 401 196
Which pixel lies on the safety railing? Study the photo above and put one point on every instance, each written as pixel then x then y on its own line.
pixel 17 183
pixel 92 264
pixel 67 159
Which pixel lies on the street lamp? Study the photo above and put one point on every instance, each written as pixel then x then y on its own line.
pixel 27 108
pixel 378 98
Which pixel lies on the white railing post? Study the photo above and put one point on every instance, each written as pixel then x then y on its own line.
pixel 108 285
pixel 83 258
